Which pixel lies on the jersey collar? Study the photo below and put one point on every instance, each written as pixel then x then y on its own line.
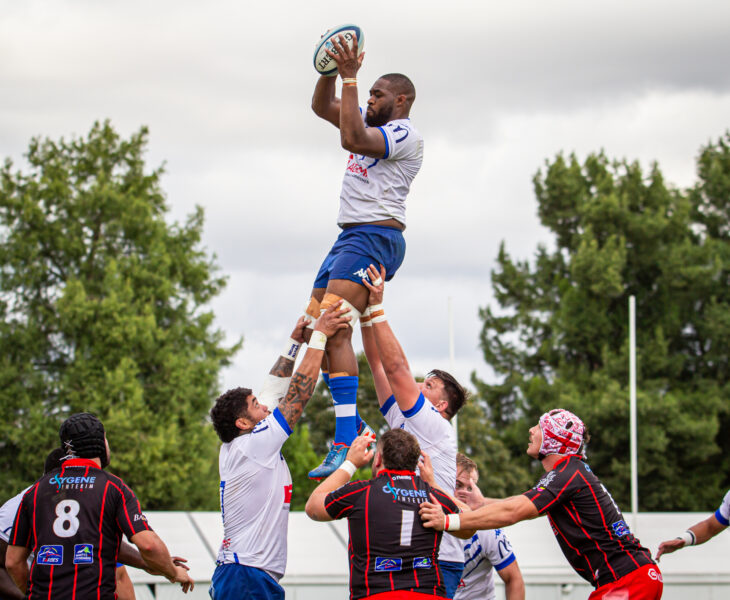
pixel 393 472
pixel 80 462
pixel 565 458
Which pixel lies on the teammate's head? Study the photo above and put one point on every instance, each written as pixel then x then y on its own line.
pixel 236 412
pixel 467 475
pixel 391 97
pixel 396 450
pixel 558 431
pixel 54 460
pixel 444 392
pixel 83 436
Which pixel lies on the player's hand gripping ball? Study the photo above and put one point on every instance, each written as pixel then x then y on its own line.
pixel 323 62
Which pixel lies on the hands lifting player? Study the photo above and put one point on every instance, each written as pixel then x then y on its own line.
pixel 386 153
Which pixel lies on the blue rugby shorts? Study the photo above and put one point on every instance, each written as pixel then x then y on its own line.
pixel 358 247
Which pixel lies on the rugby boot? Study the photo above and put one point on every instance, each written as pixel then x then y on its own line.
pixel 334 459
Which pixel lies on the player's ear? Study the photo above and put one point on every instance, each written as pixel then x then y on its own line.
pixel 243 424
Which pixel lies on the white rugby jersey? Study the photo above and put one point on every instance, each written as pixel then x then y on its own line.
pixel 256 491
pixel 437 438
pixel 375 189
pixel 7 514
pixel 486 549
pixel 722 514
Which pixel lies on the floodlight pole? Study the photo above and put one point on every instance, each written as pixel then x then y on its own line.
pixel 632 395
pixel 455 420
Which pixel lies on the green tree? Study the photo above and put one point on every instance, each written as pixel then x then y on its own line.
pixel 103 307
pixel 560 336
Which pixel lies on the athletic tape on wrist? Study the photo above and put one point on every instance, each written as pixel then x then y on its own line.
pixel 377 313
pixel 318 340
pixel 453 523
pixel 348 467
pixel 688 537
pixel 365 318
pixel 291 349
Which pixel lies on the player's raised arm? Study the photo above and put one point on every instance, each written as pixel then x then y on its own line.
pixel 304 380
pixel 394 361
pixel 697 534
pixel 324 102
pixel 354 136
pixel 277 382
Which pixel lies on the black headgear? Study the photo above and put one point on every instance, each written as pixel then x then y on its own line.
pixel 82 435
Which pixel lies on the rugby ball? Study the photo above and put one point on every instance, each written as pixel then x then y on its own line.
pixel 324 64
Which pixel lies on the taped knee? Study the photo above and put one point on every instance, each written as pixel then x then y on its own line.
pixel 330 299
pixel 312 311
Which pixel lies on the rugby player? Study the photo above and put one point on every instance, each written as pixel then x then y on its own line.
pixel 700 532
pixel 487 550
pixel 73 520
pixel 423 409
pixel 587 523
pixel 392 555
pixel 256 486
pixel 386 152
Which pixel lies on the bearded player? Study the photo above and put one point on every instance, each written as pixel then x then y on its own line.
pixel 386 153
pixel 587 523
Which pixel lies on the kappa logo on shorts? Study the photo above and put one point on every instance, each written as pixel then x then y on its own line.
pixel 383 563
pixel 362 274
pixel 83 554
pixel 422 562
pixel 50 555
pixel 654 574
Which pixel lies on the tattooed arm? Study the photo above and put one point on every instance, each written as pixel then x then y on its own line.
pixel 277 382
pixel 305 379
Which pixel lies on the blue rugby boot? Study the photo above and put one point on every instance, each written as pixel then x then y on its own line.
pixel 334 459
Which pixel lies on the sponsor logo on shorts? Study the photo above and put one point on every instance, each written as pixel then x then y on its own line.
pixel 362 274
pixel 620 528
pixel 654 574
pixel 50 555
pixel 422 562
pixel 83 554
pixel 383 563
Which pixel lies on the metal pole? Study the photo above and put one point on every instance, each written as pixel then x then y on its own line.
pixel 455 420
pixel 632 394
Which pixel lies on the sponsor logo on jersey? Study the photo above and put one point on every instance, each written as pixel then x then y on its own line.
pixel 83 554
pixel 139 517
pixel 288 489
pixel 545 481
pixel 261 426
pixel 620 528
pixel 50 555
pixel 422 562
pixel 587 468
pixel 407 494
pixel 68 483
pixel 383 563
pixel 654 574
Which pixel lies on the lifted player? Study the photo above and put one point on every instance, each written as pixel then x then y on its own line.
pixel 386 153
pixel 587 524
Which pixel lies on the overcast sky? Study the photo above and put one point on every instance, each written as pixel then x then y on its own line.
pixel 225 89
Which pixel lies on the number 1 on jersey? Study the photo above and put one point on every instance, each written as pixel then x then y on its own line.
pixel 406 527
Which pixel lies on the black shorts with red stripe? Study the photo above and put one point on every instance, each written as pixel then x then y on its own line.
pixel 587 523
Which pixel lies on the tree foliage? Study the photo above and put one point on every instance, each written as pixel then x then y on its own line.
pixel 560 336
pixel 103 310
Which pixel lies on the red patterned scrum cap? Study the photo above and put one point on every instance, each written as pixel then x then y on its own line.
pixel 562 433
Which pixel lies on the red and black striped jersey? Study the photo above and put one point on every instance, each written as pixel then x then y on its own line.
pixel 587 523
pixel 73 519
pixel 389 547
